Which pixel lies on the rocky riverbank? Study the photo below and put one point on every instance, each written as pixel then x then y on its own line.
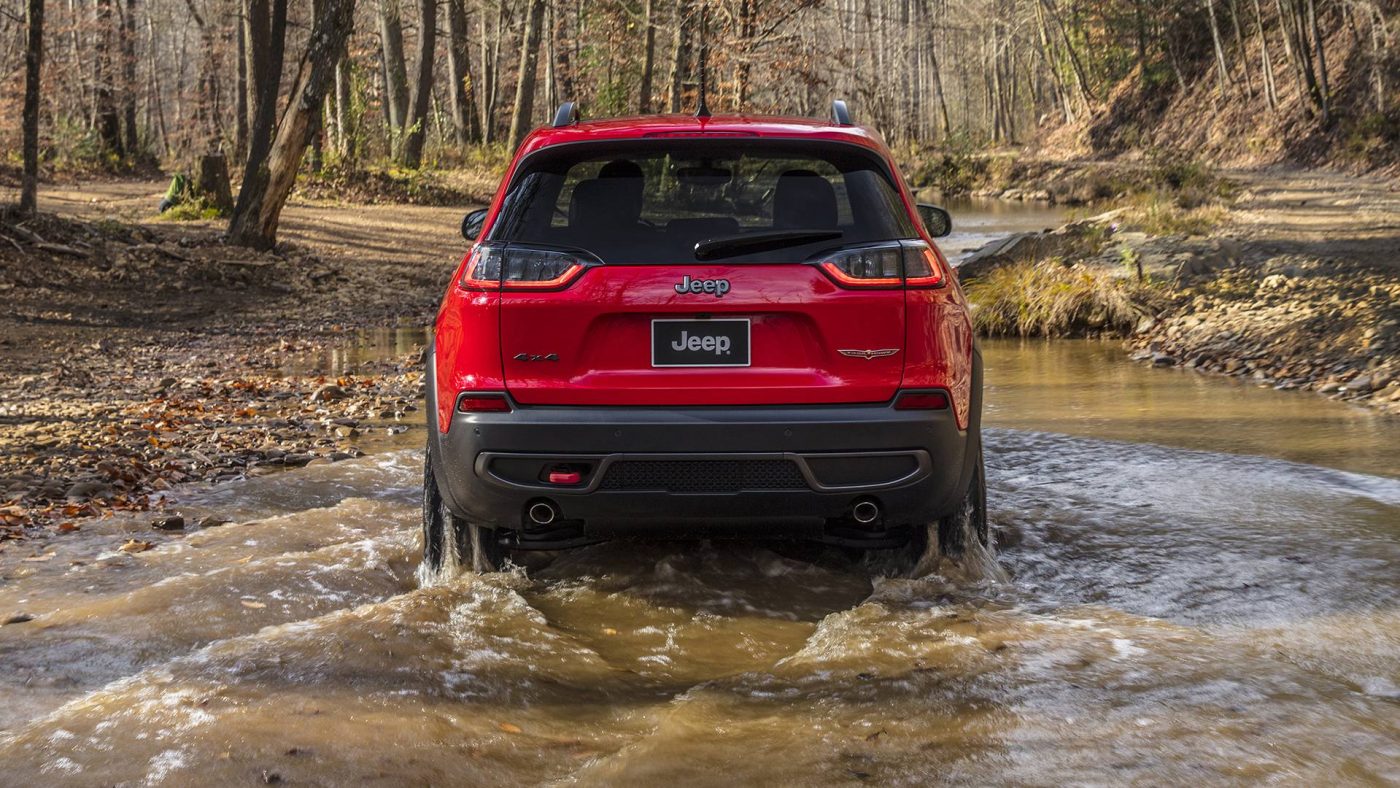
pixel 1296 287
pixel 139 357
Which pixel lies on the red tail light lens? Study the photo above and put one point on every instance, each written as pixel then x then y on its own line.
pixel 922 400
pixel 911 264
pixel 876 266
pixel 512 267
pixel 483 403
pixel 921 267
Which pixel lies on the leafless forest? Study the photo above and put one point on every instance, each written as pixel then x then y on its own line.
pixel 276 86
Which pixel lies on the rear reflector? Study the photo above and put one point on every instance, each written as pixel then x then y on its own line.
pixel 483 403
pixel 931 400
pixel 565 477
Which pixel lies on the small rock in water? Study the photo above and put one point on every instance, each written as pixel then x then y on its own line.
pixel 85 490
pixel 213 521
pixel 329 393
pixel 1162 360
pixel 173 522
pixel 18 618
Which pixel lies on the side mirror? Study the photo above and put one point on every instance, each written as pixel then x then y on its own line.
pixel 936 220
pixel 471 224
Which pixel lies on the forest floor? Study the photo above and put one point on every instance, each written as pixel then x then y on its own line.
pixel 141 353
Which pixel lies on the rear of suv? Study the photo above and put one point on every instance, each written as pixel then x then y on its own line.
pixel 715 326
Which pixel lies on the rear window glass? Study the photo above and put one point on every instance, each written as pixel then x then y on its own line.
pixel 654 201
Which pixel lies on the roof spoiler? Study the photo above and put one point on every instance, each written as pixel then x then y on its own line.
pixel 840 115
pixel 566 115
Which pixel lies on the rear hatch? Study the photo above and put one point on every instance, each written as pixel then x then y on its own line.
pixel 692 272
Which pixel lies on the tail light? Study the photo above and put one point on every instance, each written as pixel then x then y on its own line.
pixel 515 267
pixel 922 400
pixel 900 264
pixel 483 403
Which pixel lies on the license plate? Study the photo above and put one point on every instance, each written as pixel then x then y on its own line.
pixel 700 343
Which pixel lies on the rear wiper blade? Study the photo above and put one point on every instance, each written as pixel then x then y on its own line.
pixel 730 246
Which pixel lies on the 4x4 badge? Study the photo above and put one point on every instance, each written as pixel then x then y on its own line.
pixel 869 354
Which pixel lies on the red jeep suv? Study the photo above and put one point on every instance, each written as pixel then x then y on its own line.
pixel 702 326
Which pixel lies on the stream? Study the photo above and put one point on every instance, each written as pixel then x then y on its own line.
pixel 1204 586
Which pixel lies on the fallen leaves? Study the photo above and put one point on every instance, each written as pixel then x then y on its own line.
pixel 508 727
pixel 135 546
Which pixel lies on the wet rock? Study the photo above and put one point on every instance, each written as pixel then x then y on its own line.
pixel 329 393
pixel 296 460
pixel 83 491
pixel 1361 384
pixel 172 522
pixel 18 618
pixel 1162 360
pixel 213 521
pixel 346 432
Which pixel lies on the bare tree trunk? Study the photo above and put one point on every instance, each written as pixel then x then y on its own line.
pixel 346 128
pixel 267 28
pixel 33 62
pixel 1324 90
pixel 395 72
pixel 520 119
pixel 1266 67
pixel 128 50
pixel 1222 73
pixel 648 57
pixel 681 49
pixel 108 120
pixel 563 60
pixel 747 13
pixel 257 226
pixel 416 126
pixel 240 101
pixel 465 123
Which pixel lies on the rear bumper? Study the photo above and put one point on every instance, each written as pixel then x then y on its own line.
pixel 692 469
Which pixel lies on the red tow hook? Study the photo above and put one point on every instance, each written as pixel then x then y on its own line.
pixel 564 476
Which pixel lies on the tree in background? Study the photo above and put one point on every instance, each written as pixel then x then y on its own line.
pixel 256 225
pixel 417 122
pixel 33 63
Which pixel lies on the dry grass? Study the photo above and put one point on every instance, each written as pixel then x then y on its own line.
pixel 1052 299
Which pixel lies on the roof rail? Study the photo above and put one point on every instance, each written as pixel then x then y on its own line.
pixel 839 114
pixel 566 115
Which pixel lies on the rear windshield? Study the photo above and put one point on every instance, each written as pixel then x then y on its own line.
pixel 745 201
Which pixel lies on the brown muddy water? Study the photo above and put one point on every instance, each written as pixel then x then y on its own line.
pixel 1202 585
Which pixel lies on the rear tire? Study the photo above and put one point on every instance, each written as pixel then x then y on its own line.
pixel 949 536
pixel 448 540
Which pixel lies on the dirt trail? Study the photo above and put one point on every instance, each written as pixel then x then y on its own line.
pixel 376 234
pixel 1320 214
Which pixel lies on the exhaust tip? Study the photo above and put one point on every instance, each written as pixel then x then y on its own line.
pixel 542 513
pixel 865 512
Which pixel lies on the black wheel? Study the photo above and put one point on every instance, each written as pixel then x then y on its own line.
pixel 969 521
pixel 954 531
pixel 448 540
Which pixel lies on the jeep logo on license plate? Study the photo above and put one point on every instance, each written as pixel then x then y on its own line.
pixel 700 343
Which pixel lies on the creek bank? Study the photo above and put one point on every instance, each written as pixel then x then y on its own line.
pixel 1298 287
pixel 141 357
